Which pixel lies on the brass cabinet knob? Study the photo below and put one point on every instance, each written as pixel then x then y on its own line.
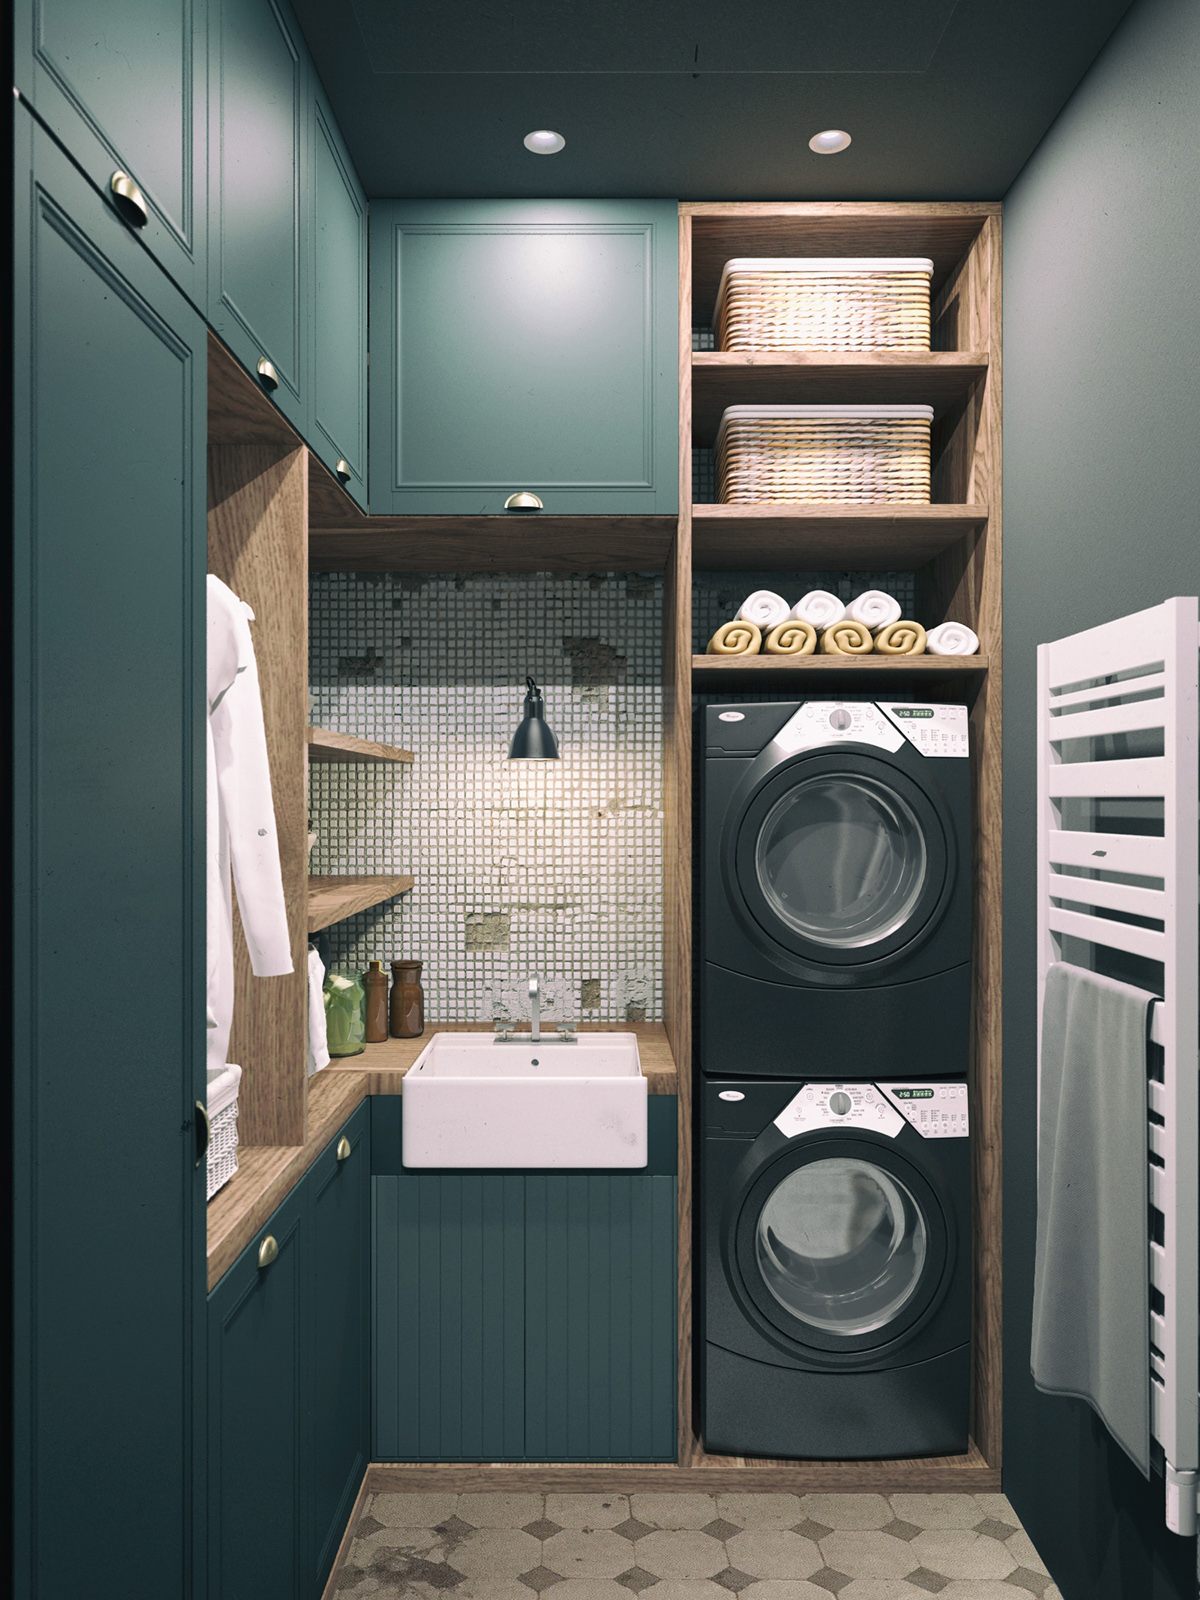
pixel 344 1149
pixel 128 199
pixel 343 469
pixel 203 1131
pixel 268 1250
pixel 266 371
pixel 523 500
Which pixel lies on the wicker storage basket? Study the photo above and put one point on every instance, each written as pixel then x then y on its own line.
pixel 830 303
pixel 222 1160
pixel 851 455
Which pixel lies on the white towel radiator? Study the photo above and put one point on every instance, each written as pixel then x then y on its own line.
pixel 1128 812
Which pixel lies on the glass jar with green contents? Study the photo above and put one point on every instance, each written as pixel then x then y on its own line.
pixel 345 1012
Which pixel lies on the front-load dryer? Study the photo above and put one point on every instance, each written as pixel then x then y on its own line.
pixel 834 907
pixel 834 1302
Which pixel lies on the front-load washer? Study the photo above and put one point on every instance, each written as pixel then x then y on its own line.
pixel 834 906
pixel 834 1301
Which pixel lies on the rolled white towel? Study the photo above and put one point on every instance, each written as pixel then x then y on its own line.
pixel 819 608
pixel 952 639
pixel 764 608
pixel 874 609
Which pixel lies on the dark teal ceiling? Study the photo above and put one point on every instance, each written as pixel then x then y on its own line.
pixel 944 98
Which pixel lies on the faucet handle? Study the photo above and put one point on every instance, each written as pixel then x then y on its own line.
pixel 566 1031
pixel 504 1030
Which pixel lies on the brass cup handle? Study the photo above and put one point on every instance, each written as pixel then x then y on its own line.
pixel 268 1251
pixel 129 199
pixel 344 1149
pixel 203 1131
pixel 343 469
pixel 267 373
pixel 523 500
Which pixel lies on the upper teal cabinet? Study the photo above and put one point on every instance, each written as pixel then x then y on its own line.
pixel 258 283
pixel 122 88
pixel 338 227
pixel 524 345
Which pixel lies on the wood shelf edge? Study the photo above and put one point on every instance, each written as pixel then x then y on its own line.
pixel 326 746
pixel 332 899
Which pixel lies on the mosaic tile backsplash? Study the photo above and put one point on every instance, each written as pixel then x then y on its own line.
pixel 553 868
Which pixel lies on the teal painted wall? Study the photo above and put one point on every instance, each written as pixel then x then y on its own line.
pixel 1102 486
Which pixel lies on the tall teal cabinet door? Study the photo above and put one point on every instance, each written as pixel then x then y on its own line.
pixel 338 432
pixel 256 1518
pixel 337 1334
pixel 123 87
pixel 524 346
pixel 258 283
pixel 108 906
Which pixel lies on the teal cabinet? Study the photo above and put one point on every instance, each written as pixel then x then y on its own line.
pixel 109 367
pixel 256 1406
pixel 128 96
pixel 337 1333
pixel 524 1316
pixel 338 230
pixel 258 128
pixel 524 345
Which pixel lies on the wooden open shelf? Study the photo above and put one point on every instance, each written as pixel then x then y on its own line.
pixel 942 379
pixel 324 746
pixel 333 899
pixel 801 537
pixel 711 672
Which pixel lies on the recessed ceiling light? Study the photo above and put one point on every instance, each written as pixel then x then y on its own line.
pixel 830 143
pixel 544 142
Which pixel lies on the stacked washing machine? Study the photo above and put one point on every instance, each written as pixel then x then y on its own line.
pixel 833 1020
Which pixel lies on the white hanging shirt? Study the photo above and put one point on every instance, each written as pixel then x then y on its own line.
pixel 243 842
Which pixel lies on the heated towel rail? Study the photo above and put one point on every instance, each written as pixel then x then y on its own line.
pixel 1118 866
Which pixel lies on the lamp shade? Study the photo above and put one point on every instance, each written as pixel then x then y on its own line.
pixel 533 740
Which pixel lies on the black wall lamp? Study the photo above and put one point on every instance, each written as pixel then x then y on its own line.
pixel 533 740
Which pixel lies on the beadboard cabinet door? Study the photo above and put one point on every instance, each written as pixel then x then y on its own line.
pixel 338 227
pixel 524 345
pixel 337 1333
pixel 259 275
pixel 109 365
pixel 123 87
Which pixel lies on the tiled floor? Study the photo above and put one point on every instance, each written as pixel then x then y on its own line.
pixel 691 1547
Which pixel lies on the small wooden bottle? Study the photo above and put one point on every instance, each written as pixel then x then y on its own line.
pixel 408 1000
pixel 376 986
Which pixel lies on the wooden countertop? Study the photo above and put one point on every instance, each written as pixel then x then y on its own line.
pixel 267 1173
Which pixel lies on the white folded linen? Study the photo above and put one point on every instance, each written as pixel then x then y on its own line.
pixel 952 639
pixel 874 609
pixel 764 608
pixel 819 608
pixel 318 1039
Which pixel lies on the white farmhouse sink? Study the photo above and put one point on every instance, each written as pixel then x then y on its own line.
pixel 471 1100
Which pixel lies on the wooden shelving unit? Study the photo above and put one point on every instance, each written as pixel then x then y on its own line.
pixel 333 899
pixel 341 748
pixel 864 538
pixel 822 673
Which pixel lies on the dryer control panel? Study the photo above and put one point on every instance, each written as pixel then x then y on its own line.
pixel 935 730
pixel 935 1110
pixel 825 722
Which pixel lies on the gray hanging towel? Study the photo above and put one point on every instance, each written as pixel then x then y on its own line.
pixel 1091 1322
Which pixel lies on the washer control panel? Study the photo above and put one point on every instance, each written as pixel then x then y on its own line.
pixel 932 729
pixel 823 722
pixel 935 1110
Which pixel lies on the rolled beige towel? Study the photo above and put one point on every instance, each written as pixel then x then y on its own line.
pixel 846 638
pixel 901 639
pixel 736 638
pixel 795 638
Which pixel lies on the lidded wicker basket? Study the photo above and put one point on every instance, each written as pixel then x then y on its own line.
pixel 849 455
pixel 824 303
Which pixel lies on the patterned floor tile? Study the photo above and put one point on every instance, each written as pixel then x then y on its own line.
pixel 673 1510
pixel 784 1589
pixel 636 1579
pixel 632 1529
pixel 587 1510
pixel 867 1553
pixel 883 1589
pixel 539 1578
pixel 412 1510
pixel 903 1530
pixel 733 1580
pixel 543 1528
pixel 498 1552
pixel 928 1582
pixel 1020 1546
pixel 681 1553
pixel 937 1510
pixel 1032 1582
pixel 848 1511
pixel 961 1553
pixel 719 1528
pixel 500 1510
pixel 600 1589
pixel 693 1589
pixel 980 1589
pixel 831 1581
pixel 595 1553
pixel 761 1510
pixel 994 1528
pixel 775 1553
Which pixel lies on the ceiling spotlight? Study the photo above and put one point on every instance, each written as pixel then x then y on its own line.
pixel 545 142
pixel 830 143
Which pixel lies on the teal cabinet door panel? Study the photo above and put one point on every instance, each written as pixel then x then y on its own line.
pixel 448 1317
pixel 108 894
pixel 524 345
pixel 128 96
pixel 337 1331
pixel 258 199
pixel 256 1409
pixel 338 227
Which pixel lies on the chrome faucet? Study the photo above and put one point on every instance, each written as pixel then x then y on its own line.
pixel 535 1011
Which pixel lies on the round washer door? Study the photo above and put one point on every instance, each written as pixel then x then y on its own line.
pixel 842 859
pixel 842 1244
